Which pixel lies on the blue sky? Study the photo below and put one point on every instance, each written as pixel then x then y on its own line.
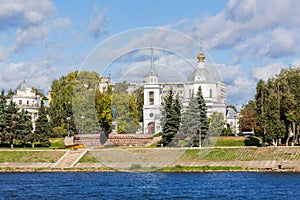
pixel 41 40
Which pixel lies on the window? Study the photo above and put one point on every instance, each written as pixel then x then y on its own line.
pixel 20 102
pixel 151 98
pixel 27 102
pixel 210 93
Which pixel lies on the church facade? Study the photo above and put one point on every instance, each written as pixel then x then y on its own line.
pixel 214 93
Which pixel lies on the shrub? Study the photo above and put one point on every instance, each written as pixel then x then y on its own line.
pixel 252 141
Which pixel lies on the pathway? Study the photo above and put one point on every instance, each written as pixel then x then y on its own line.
pixel 70 158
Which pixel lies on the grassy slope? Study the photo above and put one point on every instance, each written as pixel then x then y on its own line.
pixel 242 154
pixel 31 156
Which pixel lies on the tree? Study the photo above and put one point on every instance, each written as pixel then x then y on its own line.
pixel 204 125
pixel 83 102
pixel 24 127
pixel 191 122
pixel 2 116
pixel 42 127
pixel 171 117
pixel 104 109
pixel 216 123
pixel 278 100
pixel 248 120
pixel 195 121
pixel 61 102
pixel 139 101
pixel 127 110
pixel 10 122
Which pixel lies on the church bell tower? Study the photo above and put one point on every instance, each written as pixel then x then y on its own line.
pixel 152 101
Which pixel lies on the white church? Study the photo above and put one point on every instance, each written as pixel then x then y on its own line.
pixel 214 93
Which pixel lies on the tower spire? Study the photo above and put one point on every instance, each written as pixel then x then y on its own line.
pixel 152 59
pixel 201 55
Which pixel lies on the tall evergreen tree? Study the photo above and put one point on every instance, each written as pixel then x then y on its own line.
pixel 191 122
pixel 2 116
pixel 171 117
pixel 10 122
pixel 24 127
pixel 204 125
pixel 42 127
pixel 195 120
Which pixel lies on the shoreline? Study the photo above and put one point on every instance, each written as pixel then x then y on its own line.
pixel 169 170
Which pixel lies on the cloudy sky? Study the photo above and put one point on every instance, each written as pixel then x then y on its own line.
pixel 41 40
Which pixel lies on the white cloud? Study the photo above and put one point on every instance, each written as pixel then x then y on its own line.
pixel 39 73
pixel 240 91
pixel 252 29
pixel 267 72
pixel 24 13
pixel 97 24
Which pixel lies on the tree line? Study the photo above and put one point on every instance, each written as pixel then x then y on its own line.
pixel 274 113
pixel 77 105
pixel 16 127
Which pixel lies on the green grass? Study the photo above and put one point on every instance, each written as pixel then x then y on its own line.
pixel 88 158
pixel 230 141
pixel 31 156
pixel 57 143
pixel 242 154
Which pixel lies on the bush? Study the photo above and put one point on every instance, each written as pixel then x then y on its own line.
pixel 59 132
pixel 253 141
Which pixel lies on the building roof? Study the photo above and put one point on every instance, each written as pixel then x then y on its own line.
pixel 202 75
pixel 22 86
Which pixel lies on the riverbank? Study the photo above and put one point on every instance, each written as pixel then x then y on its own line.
pixel 223 159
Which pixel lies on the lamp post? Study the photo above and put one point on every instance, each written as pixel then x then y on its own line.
pixel 82 118
pixel 68 120
pixel 235 117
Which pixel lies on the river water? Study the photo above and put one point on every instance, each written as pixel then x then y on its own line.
pixel 121 185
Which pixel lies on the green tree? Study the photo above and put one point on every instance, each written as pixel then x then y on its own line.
pixel 10 122
pixel 83 101
pixel 104 109
pixel 127 110
pixel 191 122
pixel 216 123
pixel 171 117
pixel 24 127
pixel 139 101
pixel 61 102
pixel 204 125
pixel 2 116
pixel 9 94
pixel 42 127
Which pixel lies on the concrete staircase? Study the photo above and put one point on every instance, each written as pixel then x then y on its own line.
pixel 70 158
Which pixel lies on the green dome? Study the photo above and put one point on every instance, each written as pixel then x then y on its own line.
pixel 22 86
pixel 202 75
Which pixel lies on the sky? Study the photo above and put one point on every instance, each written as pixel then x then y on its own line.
pixel 244 41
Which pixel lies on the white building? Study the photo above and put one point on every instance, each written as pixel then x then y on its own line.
pixel 214 93
pixel 152 101
pixel 25 98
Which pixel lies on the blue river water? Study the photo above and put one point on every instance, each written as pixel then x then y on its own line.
pixel 121 185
